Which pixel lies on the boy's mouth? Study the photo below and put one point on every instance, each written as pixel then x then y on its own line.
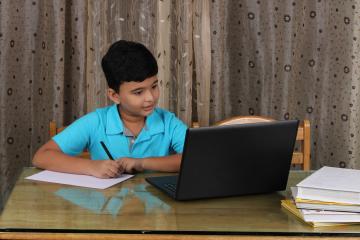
pixel 148 108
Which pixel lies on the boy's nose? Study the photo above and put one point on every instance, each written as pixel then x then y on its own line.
pixel 149 96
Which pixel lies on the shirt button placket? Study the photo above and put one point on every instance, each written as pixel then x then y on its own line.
pixel 132 141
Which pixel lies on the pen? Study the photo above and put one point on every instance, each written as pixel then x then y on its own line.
pixel 106 150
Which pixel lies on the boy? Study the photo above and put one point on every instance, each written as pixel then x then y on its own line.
pixel 137 134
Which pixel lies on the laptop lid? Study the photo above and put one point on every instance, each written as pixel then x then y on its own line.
pixel 236 159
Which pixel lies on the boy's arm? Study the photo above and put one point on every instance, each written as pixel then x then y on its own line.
pixel 50 157
pixel 169 163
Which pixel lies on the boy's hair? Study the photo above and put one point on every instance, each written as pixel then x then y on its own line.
pixel 127 61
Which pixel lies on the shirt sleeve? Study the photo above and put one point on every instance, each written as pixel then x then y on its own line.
pixel 75 138
pixel 178 134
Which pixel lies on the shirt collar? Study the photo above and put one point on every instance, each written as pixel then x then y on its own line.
pixel 114 124
pixel 154 123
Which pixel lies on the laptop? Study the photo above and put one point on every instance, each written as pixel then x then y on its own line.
pixel 232 160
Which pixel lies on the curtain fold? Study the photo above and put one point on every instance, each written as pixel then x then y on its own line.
pixel 219 63
pixel 202 56
pixel 98 38
pixel 163 51
pixel 183 60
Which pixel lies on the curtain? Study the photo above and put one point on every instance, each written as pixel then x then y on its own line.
pixel 291 60
pixel 165 27
pixel 50 59
pixel 42 77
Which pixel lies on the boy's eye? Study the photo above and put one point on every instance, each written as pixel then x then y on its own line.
pixel 154 86
pixel 137 92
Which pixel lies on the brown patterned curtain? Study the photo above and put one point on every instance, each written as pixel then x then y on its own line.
pixel 166 28
pixel 280 58
pixel 42 77
pixel 50 54
pixel 291 60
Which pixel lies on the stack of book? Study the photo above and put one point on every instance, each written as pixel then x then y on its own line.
pixel 328 197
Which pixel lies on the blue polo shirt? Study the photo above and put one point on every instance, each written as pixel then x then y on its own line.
pixel 164 133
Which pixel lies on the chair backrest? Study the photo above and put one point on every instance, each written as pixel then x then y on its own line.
pixel 53 130
pixel 301 156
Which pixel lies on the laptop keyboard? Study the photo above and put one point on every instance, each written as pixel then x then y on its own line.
pixel 171 187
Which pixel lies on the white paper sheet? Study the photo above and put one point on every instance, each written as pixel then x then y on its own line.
pixel 332 178
pixel 77 180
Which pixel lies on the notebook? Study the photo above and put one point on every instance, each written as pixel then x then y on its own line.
pixel 331 184
pixel 232 160
pixel 323 205
pixel 290 206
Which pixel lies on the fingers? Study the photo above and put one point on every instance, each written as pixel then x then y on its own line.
pixel 116 169
pixel 121 169
pixel 110 169
pixel 111 173
pixel 119 166
pixel 126 165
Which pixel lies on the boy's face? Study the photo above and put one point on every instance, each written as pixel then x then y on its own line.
pixel 137 99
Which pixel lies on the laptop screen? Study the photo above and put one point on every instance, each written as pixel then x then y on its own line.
pixel 236 159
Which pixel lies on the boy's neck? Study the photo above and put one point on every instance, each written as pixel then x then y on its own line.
pixel 129 119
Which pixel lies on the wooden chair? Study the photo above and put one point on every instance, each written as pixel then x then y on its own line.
pixel 300 156
pixel 53 130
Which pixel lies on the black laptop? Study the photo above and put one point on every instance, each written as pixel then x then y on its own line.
pixel 232 160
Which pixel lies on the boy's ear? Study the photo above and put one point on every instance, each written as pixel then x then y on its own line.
pixel 114 96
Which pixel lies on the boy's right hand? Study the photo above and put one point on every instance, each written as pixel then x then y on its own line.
pixel 105 169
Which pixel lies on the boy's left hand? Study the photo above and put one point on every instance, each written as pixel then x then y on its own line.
pixel 131 165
